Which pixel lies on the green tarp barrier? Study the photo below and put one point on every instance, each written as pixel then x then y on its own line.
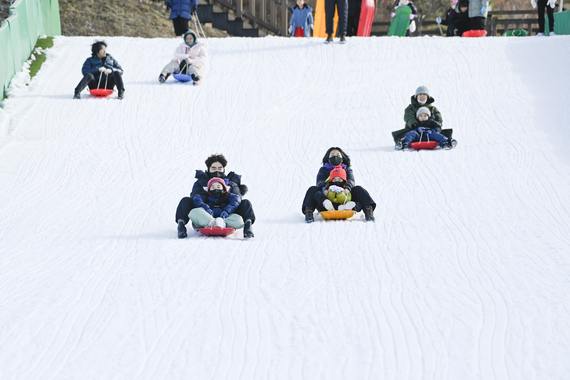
pixel 29 19
pixel 561 22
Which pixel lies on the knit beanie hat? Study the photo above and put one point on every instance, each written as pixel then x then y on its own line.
pixel 423 110
pixel 422 90
pixel 193 34
pixel 219 180
pixel 338 171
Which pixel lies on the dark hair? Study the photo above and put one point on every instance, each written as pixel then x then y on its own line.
pixel 216 158
pixel 345 158
pixel 96 47
pixel 463 4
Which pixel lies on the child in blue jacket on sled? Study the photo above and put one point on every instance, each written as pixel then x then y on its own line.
pixel 216 206
pixel 426 129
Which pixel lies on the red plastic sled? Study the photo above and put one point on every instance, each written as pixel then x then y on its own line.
pixel 423 145
pixel 100 92
pixel 337 214
pixel 216 231
pixel 475 33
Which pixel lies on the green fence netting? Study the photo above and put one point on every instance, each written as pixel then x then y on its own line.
pixel 28 20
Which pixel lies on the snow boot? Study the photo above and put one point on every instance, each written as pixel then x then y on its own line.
pixel 405 146
pixel 343 39
pixel 309 216
pixel 453 143
pixel 446 145
pixel 369 214
pixel 121 95
pixel 162 78
pixel 329 39
pixel 195 227
pixel 399 145
pixel 328 205
pixel 182 230
pixel 77 95
pixel 247 232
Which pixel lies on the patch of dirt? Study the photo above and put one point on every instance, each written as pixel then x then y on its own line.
pixel 129 18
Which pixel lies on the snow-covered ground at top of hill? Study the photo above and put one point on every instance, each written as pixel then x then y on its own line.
pixel 464 275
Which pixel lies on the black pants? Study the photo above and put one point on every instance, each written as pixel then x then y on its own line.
pixel 180 25
pixel 477 23
pixel 541 4
pixel 352 26
pixel 342 7
pixel 245 210
pixel 107 81
pixel 314 198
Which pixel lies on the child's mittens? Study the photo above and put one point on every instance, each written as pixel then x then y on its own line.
pixel 533 3
pixel 393 14
pixel 224 214
pixel 312 26
pixel 336 189
pixel 291 29
pixel 420 129
pixel 552 3
pixel 209 211
pixel 483 9
pixel 412 16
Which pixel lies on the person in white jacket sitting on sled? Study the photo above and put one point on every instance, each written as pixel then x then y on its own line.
pixel 190 58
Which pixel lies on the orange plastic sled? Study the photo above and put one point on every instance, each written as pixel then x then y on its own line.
pixel 337 214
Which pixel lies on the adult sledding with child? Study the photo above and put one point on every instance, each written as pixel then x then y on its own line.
pixel 423 125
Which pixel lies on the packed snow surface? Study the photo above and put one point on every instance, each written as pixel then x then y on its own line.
pixel 464 275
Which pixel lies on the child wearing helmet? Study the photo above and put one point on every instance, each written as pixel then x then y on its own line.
pixel 215 207
pixel 190 58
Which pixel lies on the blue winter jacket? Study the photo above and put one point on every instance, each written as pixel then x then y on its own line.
pixel 226 202
pixel 202 178
pixel 325 172
pixel 93 63
pixel 181 8
pixel 302 18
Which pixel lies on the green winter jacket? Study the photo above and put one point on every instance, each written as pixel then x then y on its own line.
pixel 410 112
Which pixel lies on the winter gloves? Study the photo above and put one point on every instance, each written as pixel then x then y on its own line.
pixel 224 214
pixel 193 9
pixel 168 6
pixel 420 129
pixel 552 3
pixel 483 10
pixel 104 70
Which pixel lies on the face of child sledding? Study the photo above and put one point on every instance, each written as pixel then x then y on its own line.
pixel 216 186
pixel 102 53
pixel 423 117
pixel 422 98
pixel 301 3
pixel 217 169
pixel 337 181
pixel 463 9
pixel 189 38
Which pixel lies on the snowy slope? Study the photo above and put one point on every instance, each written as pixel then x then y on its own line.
pixel 464 275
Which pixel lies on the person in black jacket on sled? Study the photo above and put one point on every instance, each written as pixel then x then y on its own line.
pixel 316 198
pixel 101 70
pixel 216 167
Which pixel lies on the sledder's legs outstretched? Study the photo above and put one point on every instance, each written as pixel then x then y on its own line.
pixel 201 218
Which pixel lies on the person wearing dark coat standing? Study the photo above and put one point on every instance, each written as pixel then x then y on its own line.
pixel 100 70
pixel 342 8
pixel 216 168
pixel 181 12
